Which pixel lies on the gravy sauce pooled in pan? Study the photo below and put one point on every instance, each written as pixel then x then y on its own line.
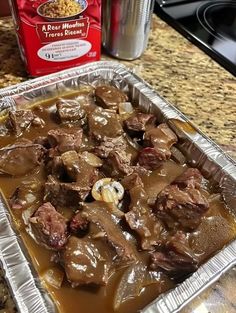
pixel 109 210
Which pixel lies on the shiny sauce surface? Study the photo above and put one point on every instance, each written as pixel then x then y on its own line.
pixel 217 229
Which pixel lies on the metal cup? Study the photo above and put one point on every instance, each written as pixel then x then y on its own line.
pixel 125 27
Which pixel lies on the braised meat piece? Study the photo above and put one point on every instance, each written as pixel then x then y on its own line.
pixel 103 124
pixel 191 178
pixel 110 144
pixel 159 141
pixel 56 168
pixel 139 122
pixel 70 110
pixel 141 219
pixel 72 179
pixel 109 97
pixel 181 208
pixel 78 170
pixel 132 181
pixel 99 214
pixel 161 137
pixel 65 139
pixel 175 256
pixel 84 262
pixel 78 224
pixel 20 120
pixel 150 158
pixel 64 194
pixel 118 164
pixel 19 159
pixel 49 227
pixel 43 141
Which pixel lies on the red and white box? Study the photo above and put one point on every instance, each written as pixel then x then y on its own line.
pixel 52 43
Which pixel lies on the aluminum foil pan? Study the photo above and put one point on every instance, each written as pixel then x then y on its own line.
pixel 200 151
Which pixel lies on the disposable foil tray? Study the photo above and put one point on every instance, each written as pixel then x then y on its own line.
pixel 200 151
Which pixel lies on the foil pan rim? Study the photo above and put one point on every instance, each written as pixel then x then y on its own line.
pixel 175 299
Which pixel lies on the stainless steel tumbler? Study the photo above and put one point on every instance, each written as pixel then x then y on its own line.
pixel 125 28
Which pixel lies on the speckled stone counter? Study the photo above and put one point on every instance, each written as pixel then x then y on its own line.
pixel 190 80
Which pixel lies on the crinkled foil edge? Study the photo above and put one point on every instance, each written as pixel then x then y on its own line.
pixel 199 149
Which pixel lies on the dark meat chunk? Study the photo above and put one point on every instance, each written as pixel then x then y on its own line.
pixel 76 177
pixel 70 110
pixel 110 144
pixel 175 257
pixel 43 141
pixel 141 219
pixel 20 120
pixel 103 124
pixel 132 181
pixel 84 262
pixel 191 178
pixel 56 168
pixel 78 224
pixel 99 214
pixel 181 208
pixel 150 158
pixel 65 139
pixel 159 140
pixel 118 164
pixel 64 194
pixel 139 122
pixel 20 159
pixel 109 97
pixel 78 170
pixel 49 227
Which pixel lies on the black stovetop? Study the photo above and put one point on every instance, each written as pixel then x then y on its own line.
pixel 211 25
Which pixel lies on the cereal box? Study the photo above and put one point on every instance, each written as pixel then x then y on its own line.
pixel 57 34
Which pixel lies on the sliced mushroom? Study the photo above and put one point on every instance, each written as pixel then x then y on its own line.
pixel 108 190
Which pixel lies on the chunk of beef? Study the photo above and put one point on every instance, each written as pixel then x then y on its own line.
pixel 159 140
pixel 20 120
pixel 19 159
pixel 78 224
pixel 70 111
pixel 175 256
pixel 141 219
pixel 139 122
pixel 99 214
pixel 132 181
pixel 150 158
pixel 118 164
pixel 49 227
pixel 78 170
pixel 110 144
pixel 56 168
pixel 181 208
pixel 84 262
pixel 109 97
pixel 64 194
pixel 65 139
pixel 161 137
pixel 191 178
pixel 103 124
pixel 43 141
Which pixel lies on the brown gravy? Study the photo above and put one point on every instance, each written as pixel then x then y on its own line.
pixel 87 300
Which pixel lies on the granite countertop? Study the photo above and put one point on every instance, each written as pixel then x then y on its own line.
pixel 190 80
